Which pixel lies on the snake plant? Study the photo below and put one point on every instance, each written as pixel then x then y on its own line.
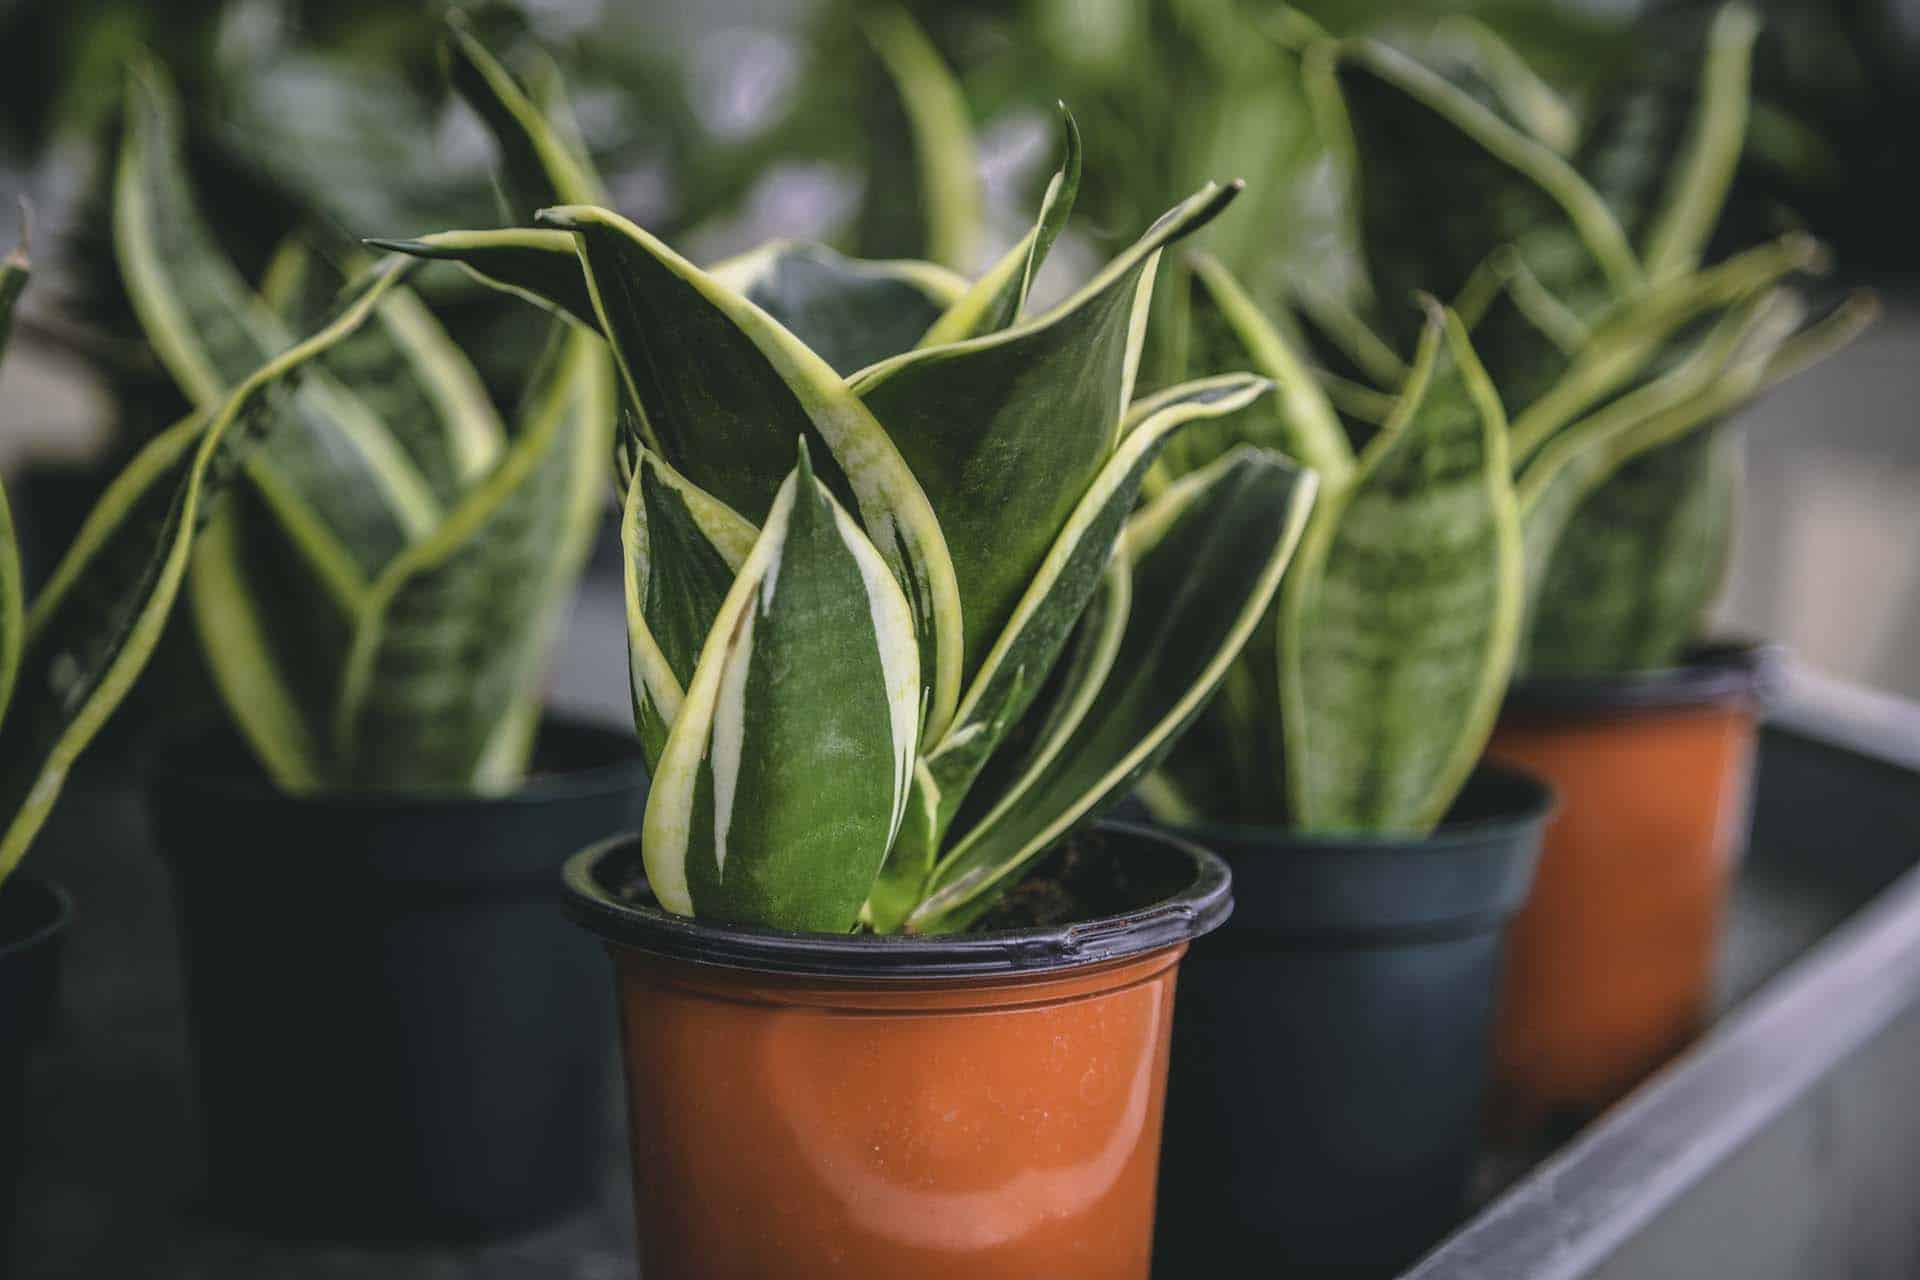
pixel 66 662
pixel 376 601
pixel 895 623
pixel 1528 464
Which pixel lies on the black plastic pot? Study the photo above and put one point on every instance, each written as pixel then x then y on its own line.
pixel 398 1035
pixel 33 923
pixel 1332 1043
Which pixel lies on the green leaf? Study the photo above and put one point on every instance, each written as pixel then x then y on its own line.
pixel 443 684
pixel 1229 332
pixel 785 776
pixel 1022 420
pixel 13 279
pixel 1017 666
pixel 542 267
pixel 541 166
pixel 942 132
pixel 1635 569
pixel 100 615
pixel 683 549
pixel 344 487
pixel 1400 622
pixel 722 390
pixel 995 300
pixel 1441 182
pixel 1207 558
pixel 851 311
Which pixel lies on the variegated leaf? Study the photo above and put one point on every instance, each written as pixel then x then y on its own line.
pixel 345 488
pixel 947 190
pixel 1022 420
pixel 100 615
pixel 1022 657
pixel 1400 622
pixel 683 548
pixel 443 683
pixel 13 279
pixel 785 776
pixel 722 390
pixel 851 311
pixel 1206 559
pixel 1225 330
pixel 537 265
pixel 995 300
pixel 541 165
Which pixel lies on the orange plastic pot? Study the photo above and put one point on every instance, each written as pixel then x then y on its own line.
pixel 973 1106
pixel 1610 965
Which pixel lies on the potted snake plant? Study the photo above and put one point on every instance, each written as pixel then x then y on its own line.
pixel 898 632
pixel 365 866
pixel 1605 313
pixel 1454 447
pixel 67 661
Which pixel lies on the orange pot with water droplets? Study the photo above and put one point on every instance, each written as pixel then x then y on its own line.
pixel 1610 965
pixel 973 1106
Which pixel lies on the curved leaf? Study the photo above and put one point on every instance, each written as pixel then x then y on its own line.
pixel 995 300
pixel 1021 420
pixel 1227 331
pixel 100 615
pixel 541 167
pixel 786 773
pixel 537 265
pixel 683 549
pixel 722 391
pixel 1207 559
pixel 942 134
pixel 442 685
pixel 13 279
pixel 1017 666
pixel 1400 622
pixel 851 311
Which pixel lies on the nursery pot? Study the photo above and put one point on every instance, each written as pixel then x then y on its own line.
pixel 977 1106
pixel 33 923
pixel 1611 963
pixel 398 1035
pixel 1333 1044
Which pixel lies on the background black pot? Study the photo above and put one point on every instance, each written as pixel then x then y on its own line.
pixel 33 922
pixel 397 1033
pixel 1332 1042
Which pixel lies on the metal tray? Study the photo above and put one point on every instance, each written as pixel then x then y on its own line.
pixel 1786 1142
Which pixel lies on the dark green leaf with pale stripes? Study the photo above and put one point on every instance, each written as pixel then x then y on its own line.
pixel 1206 559
pixel 785 776
pixel 443 683
pixel 540 164
pixel 1400 621
pixel 1020 421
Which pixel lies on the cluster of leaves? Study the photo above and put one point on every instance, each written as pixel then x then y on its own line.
pixel 1539 482
pixel 876 685
pixel 68 660
pixel 376 599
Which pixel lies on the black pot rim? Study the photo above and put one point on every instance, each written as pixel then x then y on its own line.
pixel 1539 804
pixel 62 916
pixel 185 762
pixel 1196 910
pixel 1712 674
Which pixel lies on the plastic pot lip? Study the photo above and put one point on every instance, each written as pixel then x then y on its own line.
pixel 1713 674
pixel 1044 951
pixel 1532 803
pixel 62 904
pixel 207 763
